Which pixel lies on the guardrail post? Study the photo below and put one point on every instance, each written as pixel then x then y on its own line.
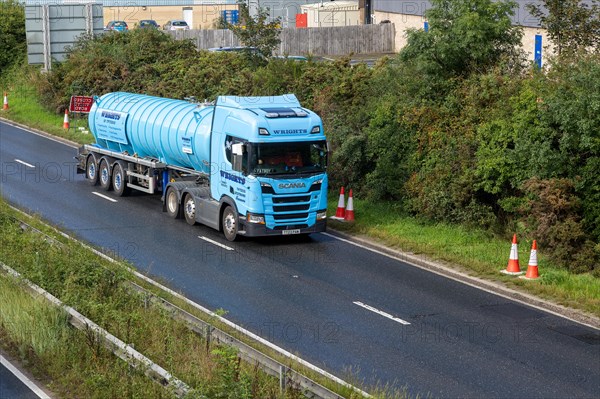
pixel 282 378
pixel 209 330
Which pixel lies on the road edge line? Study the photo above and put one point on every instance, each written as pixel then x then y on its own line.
pixel 574 315
pixel 23 378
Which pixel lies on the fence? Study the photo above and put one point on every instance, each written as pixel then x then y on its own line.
pixel 339 40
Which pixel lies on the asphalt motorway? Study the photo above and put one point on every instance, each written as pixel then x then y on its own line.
pixel 15 385
pixel 353 312
pixel 12 387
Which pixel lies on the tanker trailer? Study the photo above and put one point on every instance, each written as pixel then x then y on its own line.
pixel 247 166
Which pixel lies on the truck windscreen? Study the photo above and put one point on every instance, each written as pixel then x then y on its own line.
pixel 288 158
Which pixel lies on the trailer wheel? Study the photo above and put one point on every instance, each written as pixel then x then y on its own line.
pixel 172 202
pixel 119 180
pixel 230 223
pixel 189 209
pixel 104 175
pixel 91 170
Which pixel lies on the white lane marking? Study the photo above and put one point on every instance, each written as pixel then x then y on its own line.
pixel 405 259
pixel 25 163
pixel 104 196
pixel 30 384
pixel 218 244
pixel 382 313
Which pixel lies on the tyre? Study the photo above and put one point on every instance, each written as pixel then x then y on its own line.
pixel 91 170
pixel 230 223
pixel 119 180
pixel 189 209
pixel 172 203
pixel 104 175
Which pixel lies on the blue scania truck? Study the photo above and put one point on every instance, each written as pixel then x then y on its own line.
pixel 247 166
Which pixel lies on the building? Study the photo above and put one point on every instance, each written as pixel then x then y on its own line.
pixel 331 13
pixel 199 14
pixel 410 14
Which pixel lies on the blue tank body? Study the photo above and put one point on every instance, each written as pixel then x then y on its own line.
pixel 175 132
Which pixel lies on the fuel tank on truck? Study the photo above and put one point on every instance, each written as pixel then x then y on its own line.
pixel 175 132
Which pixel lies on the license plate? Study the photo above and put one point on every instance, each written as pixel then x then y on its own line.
pixel 287 232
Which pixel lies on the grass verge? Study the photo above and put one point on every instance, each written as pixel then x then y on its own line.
pixel 478 253
pixel 62 357
pixel 25 106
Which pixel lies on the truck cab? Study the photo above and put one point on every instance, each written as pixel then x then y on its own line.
pixel 270 155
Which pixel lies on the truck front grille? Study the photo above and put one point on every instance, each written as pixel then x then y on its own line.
pixel 289 216
pixel 286 200
pixel 285 210
pixel 291 208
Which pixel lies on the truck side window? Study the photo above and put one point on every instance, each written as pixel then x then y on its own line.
pixel 229 141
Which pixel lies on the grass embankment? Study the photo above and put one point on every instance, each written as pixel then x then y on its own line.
pixel 478 252
pixel 64 358
pixel 25 106
pixel 74 363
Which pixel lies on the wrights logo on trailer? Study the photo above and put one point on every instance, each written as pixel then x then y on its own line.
pixel 291 185
pixel 111 115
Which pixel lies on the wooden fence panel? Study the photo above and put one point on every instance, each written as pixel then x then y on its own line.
pixel 339 40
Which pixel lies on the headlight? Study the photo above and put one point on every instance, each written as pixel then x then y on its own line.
pixel 263 132
pixel 321 215
pixel 316 129
pixel 266 188
pixel 255 218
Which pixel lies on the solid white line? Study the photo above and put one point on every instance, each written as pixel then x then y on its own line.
pixel 104 196
pixel 218 244
pixel 61 140
pixel 30 384
pixel 382 313
pixel 405 259
pixel 25 163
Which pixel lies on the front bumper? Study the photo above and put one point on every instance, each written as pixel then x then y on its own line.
pixel 261 230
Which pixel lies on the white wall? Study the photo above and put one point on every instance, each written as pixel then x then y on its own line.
pixel 404 22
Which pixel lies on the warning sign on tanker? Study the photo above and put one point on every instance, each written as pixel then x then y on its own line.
pixel 81 104
pixel 110 125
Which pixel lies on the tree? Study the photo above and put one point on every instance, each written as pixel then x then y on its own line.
pixel 256 31
pixel 12 32
pixel 465 36
pixel 571 24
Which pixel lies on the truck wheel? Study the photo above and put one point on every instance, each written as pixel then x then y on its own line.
pixel 119 180
pixel 104 175
pixel 172 202
pixel 91 170
pixel 189 209
pixel 230 223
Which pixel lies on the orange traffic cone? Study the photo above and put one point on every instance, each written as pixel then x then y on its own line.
pixel 340 213
pixel 513 261
pixel 532 267
pixel 66 120
pixel 350 209
pixel 5 106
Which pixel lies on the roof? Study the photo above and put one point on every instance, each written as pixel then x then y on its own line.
pixel 349 5
pixel 521 17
